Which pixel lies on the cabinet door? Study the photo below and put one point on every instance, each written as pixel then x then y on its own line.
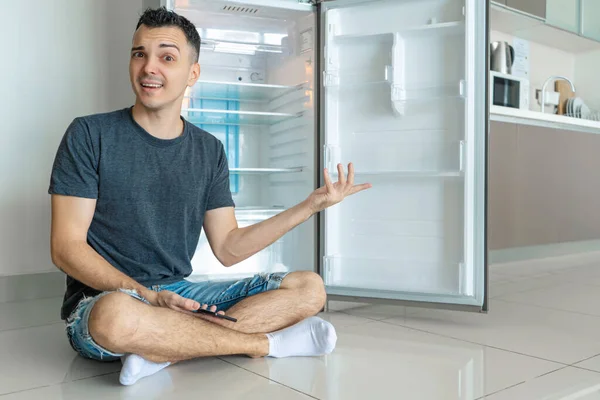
pixel 534 7
pixel 590 24
pixel 564 14
pixel 405 101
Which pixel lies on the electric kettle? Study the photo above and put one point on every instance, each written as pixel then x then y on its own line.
pixel 502 57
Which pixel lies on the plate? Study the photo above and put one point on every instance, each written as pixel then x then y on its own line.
pixel 576 107
pixel 569 107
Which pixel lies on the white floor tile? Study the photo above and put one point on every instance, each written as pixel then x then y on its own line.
pixel 497 289
pixel 567 383
pixel 589 274
pixel 41 356
pixel 378 312
pixel 29 313
pixel 199 379
pixel 591 364
pixel 549 334
pixel 335 305
pixel 379 360
pixel 340 319
pixel 574 297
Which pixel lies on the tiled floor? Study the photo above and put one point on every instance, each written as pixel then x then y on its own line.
pixel 540 340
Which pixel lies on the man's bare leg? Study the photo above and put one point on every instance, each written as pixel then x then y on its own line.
pixel 123 324
pixel 132 333
pixel 301 295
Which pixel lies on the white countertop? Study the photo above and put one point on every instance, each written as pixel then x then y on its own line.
pixel 526 117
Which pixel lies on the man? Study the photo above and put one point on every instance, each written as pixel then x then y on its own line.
pixel 131 190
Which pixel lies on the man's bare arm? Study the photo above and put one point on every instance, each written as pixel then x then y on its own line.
pixel 232 244
pixel 71 219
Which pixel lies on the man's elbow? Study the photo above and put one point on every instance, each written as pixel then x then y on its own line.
pixel 227 261
pixel 55 253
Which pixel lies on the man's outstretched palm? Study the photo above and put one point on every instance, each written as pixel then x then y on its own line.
pixel 333 193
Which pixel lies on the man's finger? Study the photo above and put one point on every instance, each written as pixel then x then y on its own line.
pixel 190 304
pixel 341 175
pixel 351 174
pixel 327 179
pixel 213 308
pixel 359 188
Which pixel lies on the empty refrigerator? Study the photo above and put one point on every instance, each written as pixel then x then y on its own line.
pixel 398 87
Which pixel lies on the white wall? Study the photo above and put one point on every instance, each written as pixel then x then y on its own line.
pixel 586 71
pixel 63 59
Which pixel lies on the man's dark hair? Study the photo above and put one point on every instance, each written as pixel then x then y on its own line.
pixel 159 17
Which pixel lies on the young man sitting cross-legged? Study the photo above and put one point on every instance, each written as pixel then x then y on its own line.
pixel 131 191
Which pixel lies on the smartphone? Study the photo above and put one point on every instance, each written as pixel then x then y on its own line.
pixel 214 314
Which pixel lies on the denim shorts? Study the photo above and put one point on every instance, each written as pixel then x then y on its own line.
pixel 223 294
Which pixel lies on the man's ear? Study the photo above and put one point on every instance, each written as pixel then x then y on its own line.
pixel 194 74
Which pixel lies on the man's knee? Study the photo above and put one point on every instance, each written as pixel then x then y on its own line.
pixel 310 284
pixel 112 320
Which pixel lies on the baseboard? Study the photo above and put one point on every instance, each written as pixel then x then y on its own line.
pixel 31 286
pixel 517 254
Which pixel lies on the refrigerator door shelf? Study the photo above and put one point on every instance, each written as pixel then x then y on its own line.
pixel 426 153
pixel 447 28
pixel 409 276
pixel 404 174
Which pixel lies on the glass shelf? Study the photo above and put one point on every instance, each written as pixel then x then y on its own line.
pixel 239 91
pixel 256 213
pixel 230 117
pixel 258 171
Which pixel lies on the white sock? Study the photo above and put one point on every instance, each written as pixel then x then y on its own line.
pixel 136 368
pixel 311 337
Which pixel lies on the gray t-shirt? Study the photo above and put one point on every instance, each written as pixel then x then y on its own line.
pixel 151 194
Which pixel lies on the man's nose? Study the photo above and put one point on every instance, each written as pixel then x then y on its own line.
pixel 150 67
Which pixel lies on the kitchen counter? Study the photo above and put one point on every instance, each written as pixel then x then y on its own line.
pixel 535 118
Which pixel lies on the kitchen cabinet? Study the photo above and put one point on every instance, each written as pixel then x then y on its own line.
pixel 533 7
pixel 564 14
pixel 400 92
pixel 502 185
pixel 543 186
pixel 590 17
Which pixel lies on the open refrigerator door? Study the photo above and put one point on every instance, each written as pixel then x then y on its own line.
pixel 405 100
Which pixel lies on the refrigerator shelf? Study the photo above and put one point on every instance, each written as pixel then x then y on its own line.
pixel 238 91
pixel 444 28
pixel 240 171
pixel 256 213
pixel 231 117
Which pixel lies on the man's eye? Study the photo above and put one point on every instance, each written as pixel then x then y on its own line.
pixel 138 54
pixel 169 58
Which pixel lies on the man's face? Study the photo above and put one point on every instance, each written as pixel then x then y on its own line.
pixel 160 67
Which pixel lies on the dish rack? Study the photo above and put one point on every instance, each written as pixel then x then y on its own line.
pixel 575 107
pixel 592 115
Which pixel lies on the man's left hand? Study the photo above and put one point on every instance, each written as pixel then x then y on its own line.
pixel 333 193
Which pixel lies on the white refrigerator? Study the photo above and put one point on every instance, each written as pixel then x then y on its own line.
pixel 399 88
